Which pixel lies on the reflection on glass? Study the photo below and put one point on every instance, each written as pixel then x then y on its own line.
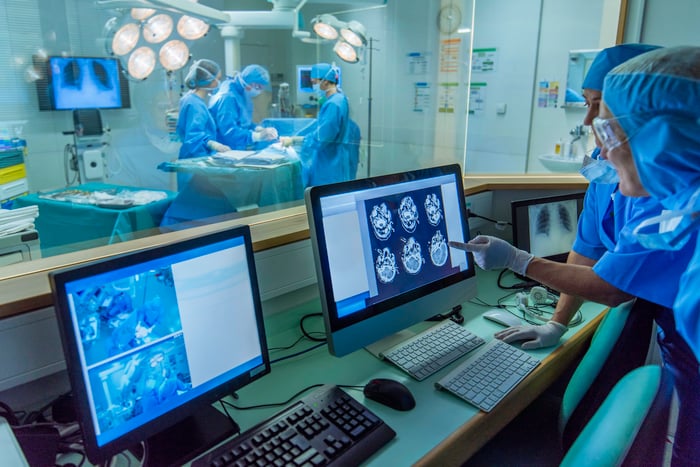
pixel 141 13
pixel 173 55
pixel 192 28
pixel 158 28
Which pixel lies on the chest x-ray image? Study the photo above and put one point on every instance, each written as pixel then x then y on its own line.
pixel 552 227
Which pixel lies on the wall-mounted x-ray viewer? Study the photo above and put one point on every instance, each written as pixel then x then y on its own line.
pixel 579 63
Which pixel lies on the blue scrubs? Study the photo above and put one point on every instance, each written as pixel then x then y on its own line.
pixel 232 110
pixel 195 127
pixel 687 306
pixel 327 151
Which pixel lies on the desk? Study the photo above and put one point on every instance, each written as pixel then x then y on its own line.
pixel 63 223
pixel 442 430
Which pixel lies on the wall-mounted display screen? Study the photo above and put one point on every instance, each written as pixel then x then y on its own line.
pixel 71 83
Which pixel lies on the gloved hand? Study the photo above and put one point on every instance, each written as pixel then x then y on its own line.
pixel 216 146
pixel 286 141
pixel 264 134
pixel 494 253
pixel 536 337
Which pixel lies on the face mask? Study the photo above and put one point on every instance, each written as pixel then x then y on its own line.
pixel 320 93
pixel 671 229
pixel 213 91
pixel 599 171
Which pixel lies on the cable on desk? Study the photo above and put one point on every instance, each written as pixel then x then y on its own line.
pixel 306 333
pixel 298 353
pixel 519 285
pixel 272 404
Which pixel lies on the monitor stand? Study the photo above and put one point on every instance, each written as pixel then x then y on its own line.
pixel 188 438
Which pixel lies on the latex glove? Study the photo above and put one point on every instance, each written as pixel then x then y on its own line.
pixel 536 337
pixel 217 147
pixel 286 141
pixel 265 134
pixel 494 253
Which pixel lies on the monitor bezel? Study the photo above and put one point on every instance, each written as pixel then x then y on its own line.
pixel 377 314
pixel 59 279
pixel 516 205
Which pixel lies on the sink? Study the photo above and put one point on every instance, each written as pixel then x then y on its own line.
pixel 557 163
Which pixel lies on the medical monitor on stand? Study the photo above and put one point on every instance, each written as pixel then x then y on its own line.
pixel 382 259
pixel 153 337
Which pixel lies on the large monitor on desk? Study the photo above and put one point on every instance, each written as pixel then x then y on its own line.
pixel 153 337
pixel 382 259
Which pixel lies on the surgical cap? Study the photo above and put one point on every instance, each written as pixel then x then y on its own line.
pixel 202 73
pixel 609 58
pixel 325 71
pixel 255 74
pixel 656 100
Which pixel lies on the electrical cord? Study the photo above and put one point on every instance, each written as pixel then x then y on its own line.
pixel 471 213
pixel 278 404
pixel 287 357
pixel 306 333
pixel 519 285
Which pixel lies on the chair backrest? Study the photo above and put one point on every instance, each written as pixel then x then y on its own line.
pixel 630 426
pixel 619 345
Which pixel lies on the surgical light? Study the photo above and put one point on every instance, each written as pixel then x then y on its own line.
pixel 125 39
pixel 173 55
pixel 157 28
pixel 354 33
pixel 141 62
pixel 346 52
pixel 323 26
pixel 141 14
pixel 192 28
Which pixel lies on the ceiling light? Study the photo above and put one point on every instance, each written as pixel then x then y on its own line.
pixel 141 62
pixel 141 13
pixel 192 28
pixel 346 52
pixel 355 33
pixel 173 55
pixel 157 28
pixel 125 39
pixel 323 26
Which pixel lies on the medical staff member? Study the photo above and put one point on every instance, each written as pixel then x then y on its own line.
pixel 614 268
pixel 232 109
pixel 195 125
pixel 326 152
pixel 649 125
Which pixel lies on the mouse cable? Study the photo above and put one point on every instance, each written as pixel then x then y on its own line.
pixel 314 347
pixel 272 404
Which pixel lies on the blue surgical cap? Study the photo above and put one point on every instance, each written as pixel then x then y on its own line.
pixel 656 99
pixel 609 58
pixel 255 74
pixel 202 73
pixel 325 71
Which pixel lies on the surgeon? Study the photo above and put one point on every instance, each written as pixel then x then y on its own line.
pixel 195 125
pixel 232 109
pixel 327 152
pixel 649 125
pixel 619 272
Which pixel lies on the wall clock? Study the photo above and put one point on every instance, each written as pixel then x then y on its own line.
pixel 449 18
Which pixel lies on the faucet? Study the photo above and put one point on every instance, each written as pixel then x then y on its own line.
pixel 577 134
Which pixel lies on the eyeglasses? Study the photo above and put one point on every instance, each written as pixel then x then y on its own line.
pixel 605 132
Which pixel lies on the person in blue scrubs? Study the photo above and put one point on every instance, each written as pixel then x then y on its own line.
pixel 603 267
pixel 232 109
pixel 195 125
pixel 327 152
pixel 649 125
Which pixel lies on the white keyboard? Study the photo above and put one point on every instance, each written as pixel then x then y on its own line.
pixel 433 349
pixel 486 377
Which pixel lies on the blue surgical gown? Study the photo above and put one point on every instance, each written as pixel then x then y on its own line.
pixel 195 127
pixel 605 235
pixel 232 110
pixel 687 306
pixel 327 151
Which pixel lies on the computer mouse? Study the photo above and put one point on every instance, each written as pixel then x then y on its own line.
pixel 502 317
pixel 390 393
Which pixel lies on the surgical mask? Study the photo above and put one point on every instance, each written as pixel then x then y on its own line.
pixel 599 171
pixel 670 230
pixel 317 89
pixel 213 91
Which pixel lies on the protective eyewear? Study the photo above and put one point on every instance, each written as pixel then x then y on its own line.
pixel 605 131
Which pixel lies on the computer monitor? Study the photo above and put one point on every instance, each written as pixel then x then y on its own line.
pixel 72 83
pixel 305 90
pixel 381 253
pixel 153 337
pixel 546 226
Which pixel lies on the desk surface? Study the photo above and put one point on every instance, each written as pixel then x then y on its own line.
pixel 441 430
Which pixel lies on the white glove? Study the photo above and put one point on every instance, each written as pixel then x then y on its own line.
pixel 265 134
pixel 494 253
pixel 217 147
pixel 535 336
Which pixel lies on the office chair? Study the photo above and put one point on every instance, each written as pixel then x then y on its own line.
pixel 619 345
pixel 630 427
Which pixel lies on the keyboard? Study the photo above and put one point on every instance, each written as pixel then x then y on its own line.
pixel 433 349
pixel 325 427
pixel 486 377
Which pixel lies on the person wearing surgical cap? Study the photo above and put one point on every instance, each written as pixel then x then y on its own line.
pixel 649 125
pixel 195 125
pixel 604 265
pixel 327 152
pixel 232 108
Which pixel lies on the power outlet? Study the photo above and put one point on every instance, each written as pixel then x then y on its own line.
pixel 481 204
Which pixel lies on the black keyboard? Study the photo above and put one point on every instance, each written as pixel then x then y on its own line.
pixel 325 427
